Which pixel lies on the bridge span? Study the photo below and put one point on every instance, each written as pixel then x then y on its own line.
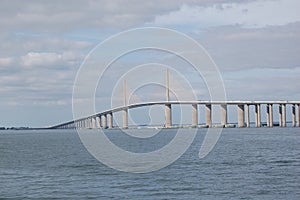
pixel 105 119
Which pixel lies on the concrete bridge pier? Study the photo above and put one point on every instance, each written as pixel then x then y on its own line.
pixel 241 116
pixel 194 115
pixel 125 118
pixel 280 115
pixel 247 115
pixel 298 115
pixel 83 123
pixel 283 115
pixel 208 115
pixel 257 115
pixel 168 115
pixel 268 115
pixel 271 115
pixel 98 121
pixel 88 122
pixel 104 121
pixel 110 120
pixel 223 114
pixel 293 115
pixel 93 122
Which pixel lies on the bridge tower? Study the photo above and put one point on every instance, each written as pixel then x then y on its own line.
pixel 168 108
pixel 125 111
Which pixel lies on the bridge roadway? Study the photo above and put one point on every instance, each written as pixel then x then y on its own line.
pixel 105 119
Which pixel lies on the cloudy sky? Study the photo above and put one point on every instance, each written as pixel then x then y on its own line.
pixel 255 44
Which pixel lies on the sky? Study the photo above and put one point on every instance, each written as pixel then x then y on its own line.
pixel 255 44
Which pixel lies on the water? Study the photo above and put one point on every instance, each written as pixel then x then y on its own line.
pixel 245 164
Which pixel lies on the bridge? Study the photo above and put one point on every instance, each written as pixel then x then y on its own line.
pixel 105 119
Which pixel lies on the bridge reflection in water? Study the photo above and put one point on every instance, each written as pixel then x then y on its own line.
pixel 105 119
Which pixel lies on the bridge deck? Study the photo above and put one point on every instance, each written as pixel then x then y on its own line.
pixel 198 102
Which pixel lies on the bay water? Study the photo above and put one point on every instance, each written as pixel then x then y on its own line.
pixel 249 163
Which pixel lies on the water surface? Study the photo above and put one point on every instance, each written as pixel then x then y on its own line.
pixel 254 163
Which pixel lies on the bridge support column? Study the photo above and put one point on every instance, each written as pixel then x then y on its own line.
pixel 268 115
pixel 89 122
pixel 223 114
pixel 298 115
pixel 125 118
pixel 104 121
pixel 76 124
pixel 110 120
pixel 280 115
pixel 208 115
pixel 168 115
pixel 86 125
pixel 82 123
pixel 98 121
pixel 283 115
pixel 93 122
pixel 241 119
pixel 247 115
pixel 270 109
pixel 293 115
pixel 194 115
pixel 257 115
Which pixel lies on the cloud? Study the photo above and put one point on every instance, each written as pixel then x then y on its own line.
pixel 60 17
pixel 255 14
pixel 55 16
pixel 48 59
pixel 33 59
pixel 7 61
pixel 235 48
pixel 41 85
pixel 263 84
